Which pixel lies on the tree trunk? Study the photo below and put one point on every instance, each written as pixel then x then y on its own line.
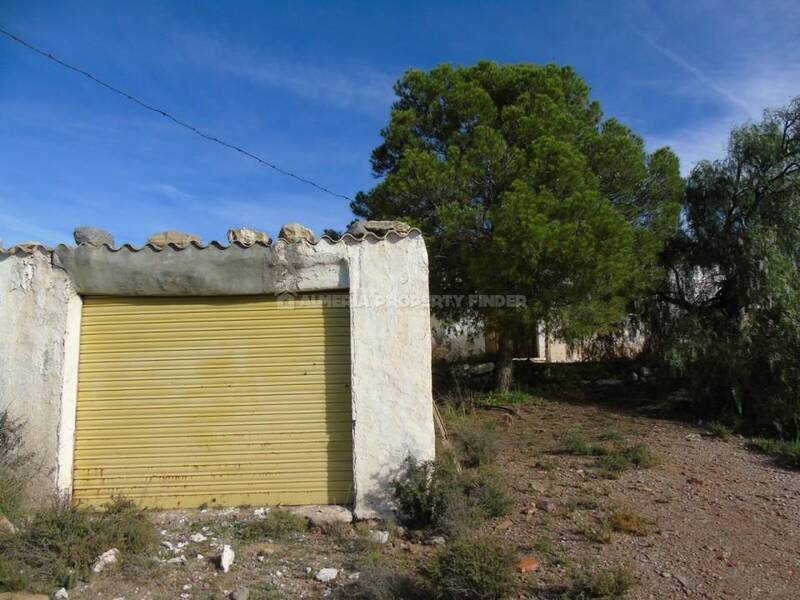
pixel 504 367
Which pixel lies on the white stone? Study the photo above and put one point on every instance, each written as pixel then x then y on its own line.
pixel 379 537
pixel 7 526
pixel 177 560
pixel 61 594
pixel 198 538
pixel 260 513
pixel 324 515
pixel 326 574
pixel 106 559
pixel 226 558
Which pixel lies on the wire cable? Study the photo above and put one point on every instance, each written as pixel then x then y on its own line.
pixel 172 118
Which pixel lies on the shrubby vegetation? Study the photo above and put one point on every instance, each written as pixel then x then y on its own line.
pixel 725 325
pixel 16 467
pixel 59 543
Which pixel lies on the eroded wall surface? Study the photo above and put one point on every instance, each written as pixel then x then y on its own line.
pixel 38 305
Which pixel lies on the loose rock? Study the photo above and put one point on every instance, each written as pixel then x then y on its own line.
pixel 379 537
pixel 7 526
pixel 106 559
pixel 527 564
pixel 437 540
pixel 177 238
pixel 61 594
pixel 247 236
pixel 226 558
pixel 324 515
pixel 198 538
pixel 326 574
pixel 92 235
pixel 294 232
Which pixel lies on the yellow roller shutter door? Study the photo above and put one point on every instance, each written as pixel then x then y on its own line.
pixel 227 401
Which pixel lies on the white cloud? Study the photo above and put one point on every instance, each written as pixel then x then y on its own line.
pixel 348 86
pixel 742 91
pixel 23 230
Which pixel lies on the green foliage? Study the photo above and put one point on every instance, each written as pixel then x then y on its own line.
pixel 521 188
pixel 277 524
pixel 726 326
pixel 603 584
pixel 506 398
pixel 626 521
pixel 16 467
pixel 788 451
pixel 577 446
pixel 61 542
pixel 435 495
pixel 473 568
pixel 719 430
pixel 623 458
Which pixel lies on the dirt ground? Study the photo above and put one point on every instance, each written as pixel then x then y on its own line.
pixel 719 521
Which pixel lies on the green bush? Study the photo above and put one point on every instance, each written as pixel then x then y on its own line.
pixel 278 524
pixel 576 446
pixel 473 568
pixel 434 495
pixel 788 451
pixel 624 458
pixel 605 584
pixel 61 542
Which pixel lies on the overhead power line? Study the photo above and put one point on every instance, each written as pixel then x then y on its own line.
pixel 172 118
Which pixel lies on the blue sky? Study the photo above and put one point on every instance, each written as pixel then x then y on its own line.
pixel 308 86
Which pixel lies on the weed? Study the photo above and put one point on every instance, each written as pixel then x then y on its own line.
pixel 624 458
pixel 544 546
pixel 61 542
pixel 473 568
pixel 601 533
pixel 627 521
pixel 576 446
pixel 265 591
pixel 488 495
pixel 604 584
pixel 611 436
pixel 506 398
pixel 16 465
pixel 383 583
pixel 278 524
pixel 719 430
pixel 788 451
pixel 476 445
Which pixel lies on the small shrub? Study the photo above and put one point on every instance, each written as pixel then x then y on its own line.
pixel 787 451
pixel 574 445
pixel 61 542
pixel 624 458
pixel 719 430
pixel 434 495
pixel 473 568
pixel 16 467
pixel 627 521
pixel 383 583
pixel 277 524
pixel 605 584
pixel 601 533
pixel 488 495
pixel 477 446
